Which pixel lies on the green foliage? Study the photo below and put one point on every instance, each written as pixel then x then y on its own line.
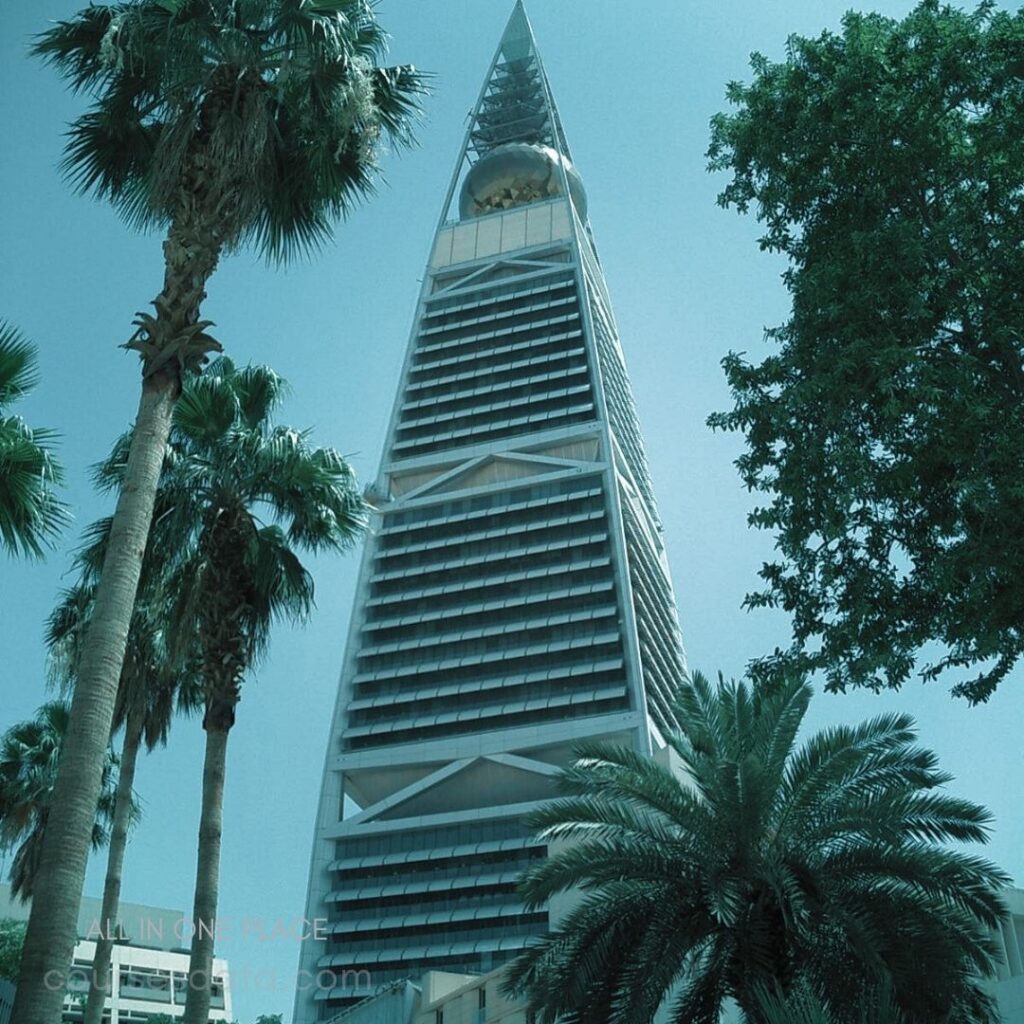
pixel 760 867
pixel 887 164
pixel 803 1007
pixel 238 497
pixel 31 516
pixel 153 684
pixel 270 113
pixel 12 938
pixel 29 752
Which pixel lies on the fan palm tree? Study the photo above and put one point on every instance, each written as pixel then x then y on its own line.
pixel 153 688
pixel 759 867
pixel 30 513
pixel 29 752
pixel 238 498
pixel 224 122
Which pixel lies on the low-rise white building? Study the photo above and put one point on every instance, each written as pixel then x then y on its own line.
pixel 149 964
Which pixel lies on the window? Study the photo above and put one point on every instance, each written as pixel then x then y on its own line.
pixel 483 998
pixel 439 1017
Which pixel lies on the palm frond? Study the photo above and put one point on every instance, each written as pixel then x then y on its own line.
pixel 29 753
pixel 761 871
pixel 76 47
pixel 282 586
pixel 239 499
pixel 19 373
pixel 31 514
pixel 273 112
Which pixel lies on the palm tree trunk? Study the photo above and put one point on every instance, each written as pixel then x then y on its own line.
pixel 51 934
pixel 204 912
pixel 99 989
pixel 191 251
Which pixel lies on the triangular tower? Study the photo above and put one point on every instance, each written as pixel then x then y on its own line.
pixel 514 597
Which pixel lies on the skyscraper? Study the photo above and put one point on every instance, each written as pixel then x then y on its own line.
pixel 514 596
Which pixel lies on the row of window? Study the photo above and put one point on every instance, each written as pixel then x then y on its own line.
pixel 491 354
pixel 486 504
pixel 507 580
pixel 479 897
pixel 567 657
pixel 552 498
pixel 442 867
pixel 462 290
pixel 506 309
pixel 438 837
pixel 516 380
pixel 495 541
pixel 564 597
pixel 492 697
pixel 456 931
pixel 399 970
pixel 549 412
pixel 661 651
pixel 619 399
pixel 574 549
pixel 614 701
pixel 542 684
pixel 459 647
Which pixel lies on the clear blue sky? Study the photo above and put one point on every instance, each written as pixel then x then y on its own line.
pixel 636 85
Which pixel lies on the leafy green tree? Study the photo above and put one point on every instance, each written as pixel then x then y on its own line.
pixel 760 866
pixel 239 498
pixel 886 163
pixel 224 122
pixel 12 938
pixel 154 687
pixel 29 752
pixel 30 513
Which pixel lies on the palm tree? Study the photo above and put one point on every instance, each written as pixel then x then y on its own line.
pixel 153 688
pixel 802 1007
pixel 29 752
pixel 239 497
pixel 759 867
pixel 226 122
pixel 30 514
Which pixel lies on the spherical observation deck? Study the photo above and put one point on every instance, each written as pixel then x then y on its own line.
pixel 516 174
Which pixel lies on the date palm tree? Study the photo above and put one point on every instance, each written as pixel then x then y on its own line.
pixel 761 867
pixel 223 122
pixel 154 687
pixel 239 498
pixel 30 513
pixel 802 1007
pixel 29 752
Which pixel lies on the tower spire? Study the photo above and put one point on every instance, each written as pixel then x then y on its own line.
pixel 518 33
pixel 515 104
